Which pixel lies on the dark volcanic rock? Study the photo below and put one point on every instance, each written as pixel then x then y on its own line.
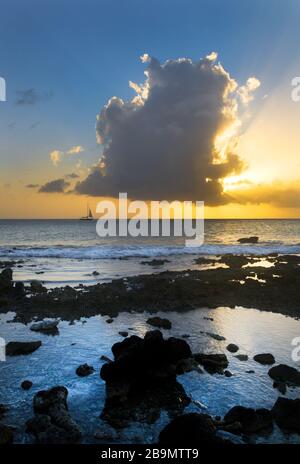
pixel 6 435
pixel 241 357
pixel 45 326
pixel 248 240
pixel 159 322
pixel 286 414
pixel 280 386
pixel 212 362
pixel 26 384
pixel 251 420
pixel 123 333
pixel 3 410
pixel 156 262
pixel 37 287
pixel 264 358
pixel 285 374
pixel 84 369
pixel 142 378
pixel 52 423
pixel 232 348
pixel 6 280
pixel 190 428
pixel 17 348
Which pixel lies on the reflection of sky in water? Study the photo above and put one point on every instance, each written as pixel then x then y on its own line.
pixel 55 363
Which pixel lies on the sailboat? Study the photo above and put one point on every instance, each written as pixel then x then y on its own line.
pixel 89 216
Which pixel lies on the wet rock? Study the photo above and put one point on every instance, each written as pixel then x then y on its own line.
pixel 105 358
pixel 286 414
pixel 190 428
pixel 212 362
pixel 242 357
pixel 123 333
pixel 208 318
pixel 264 358
pixel 285 374
pixel 142 378
pixel 232 348
pixel 253 239
pixel 3 410
pixel 68 295
pixel 109 321
pixel 95 273
pixel 215 336
pixel 18 348
pixel 253 421
pixel 156 262
pixel 6 435
pixel 159 322
pixel 202 260
pixel 84 369
pixel 26 384
pixel 188 365
pixel 227 373
pixel 234 261
pixel 45 326
pixel 250 372
pixel 37 287
pixel 280 386
pixel 6 280
pixel 19 289
pixel 52 423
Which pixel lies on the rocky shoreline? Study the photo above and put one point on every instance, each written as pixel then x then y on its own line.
pixel 232 280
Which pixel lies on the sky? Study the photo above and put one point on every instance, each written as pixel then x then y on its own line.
pixel 82 121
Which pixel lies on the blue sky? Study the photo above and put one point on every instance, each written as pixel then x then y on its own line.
pixel 82 52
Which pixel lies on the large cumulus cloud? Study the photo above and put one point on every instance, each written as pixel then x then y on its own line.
pixel 165 143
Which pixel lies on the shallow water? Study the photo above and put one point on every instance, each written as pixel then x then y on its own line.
pixel 56 360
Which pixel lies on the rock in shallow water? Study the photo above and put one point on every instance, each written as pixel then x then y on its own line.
pixel 286 414
pixel 212 362
pixel 252 421
pixel 142 378
pixel 17 348
pixel 44 326
pixel 232 348
pixel 52 423
pixel 190 428
pixel 264 358
pixel 84 370
pixel 159 322
pixel 6 435
pixel 285 374
pixel 26 385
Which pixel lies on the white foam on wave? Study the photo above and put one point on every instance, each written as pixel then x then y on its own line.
pixel 110 252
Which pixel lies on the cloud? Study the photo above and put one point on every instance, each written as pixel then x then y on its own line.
pixel 73 175
pixel 32 186
pixel 56 156
pixel 31 96
pixel 75 150
pixel 162 144
pixel 277 194
pixel 54 186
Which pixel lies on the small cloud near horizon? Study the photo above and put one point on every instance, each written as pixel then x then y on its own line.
pixel 31 96
pixel 54 186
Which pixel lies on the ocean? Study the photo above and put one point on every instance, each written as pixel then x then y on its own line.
pixel 70 251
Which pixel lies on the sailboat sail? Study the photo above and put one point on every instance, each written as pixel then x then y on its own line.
pixel 90 213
